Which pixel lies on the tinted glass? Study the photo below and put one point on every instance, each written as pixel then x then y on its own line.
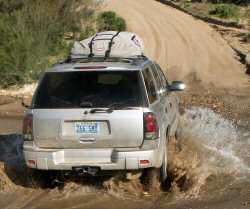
pixel 157 78
pixel 149 82
pixel 163 78
pixel 100 88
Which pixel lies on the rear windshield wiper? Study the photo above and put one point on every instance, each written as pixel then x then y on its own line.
pixel 111 109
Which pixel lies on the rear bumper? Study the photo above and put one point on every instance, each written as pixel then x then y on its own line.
pixel 106 159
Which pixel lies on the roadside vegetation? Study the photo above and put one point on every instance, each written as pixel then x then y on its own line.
pixel 35 34
pixel 110 21
pixel 226 11
pixel 231 18
pixel 235 10
pixel 248 38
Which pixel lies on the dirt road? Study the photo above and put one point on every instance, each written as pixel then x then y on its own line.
pixel 214 162
pixel 190 49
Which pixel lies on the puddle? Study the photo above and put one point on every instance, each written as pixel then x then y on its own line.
pixel 212 151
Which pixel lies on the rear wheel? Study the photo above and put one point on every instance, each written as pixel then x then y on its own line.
pixel 163 168
pixel 151 179
pixel 153 176
pixel 39 178
pixel 168 158
pixel 171 154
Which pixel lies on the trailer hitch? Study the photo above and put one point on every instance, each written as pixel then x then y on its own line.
pixel 86 170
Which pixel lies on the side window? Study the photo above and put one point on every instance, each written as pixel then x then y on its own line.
pixel 163 78
pixel 149 82
pixel 157 78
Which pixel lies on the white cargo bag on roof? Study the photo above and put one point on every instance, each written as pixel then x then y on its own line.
pixel 110 43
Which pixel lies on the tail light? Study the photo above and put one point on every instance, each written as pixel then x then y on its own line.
pixel 27 127
pixel 150 126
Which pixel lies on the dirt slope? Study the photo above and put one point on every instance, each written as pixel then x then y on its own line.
pixel 190 49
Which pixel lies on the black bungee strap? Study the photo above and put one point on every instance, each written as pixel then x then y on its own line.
pixel 91 46
pixel 107 53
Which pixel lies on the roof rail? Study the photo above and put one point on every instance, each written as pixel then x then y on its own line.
pixel 86 59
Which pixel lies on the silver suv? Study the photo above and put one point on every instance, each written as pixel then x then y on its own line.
pixel 92 115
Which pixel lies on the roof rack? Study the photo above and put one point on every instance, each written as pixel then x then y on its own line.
pixel 134 60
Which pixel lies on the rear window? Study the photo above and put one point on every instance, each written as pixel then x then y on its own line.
pixel 100 88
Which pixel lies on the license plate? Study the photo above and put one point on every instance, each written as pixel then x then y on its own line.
pixel 86 127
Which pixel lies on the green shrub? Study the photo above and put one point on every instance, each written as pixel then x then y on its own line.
pixel 32 31
pixel 247 13
pixel 226 11
pixel 247 38
pixel 85 33
pixel 110 21
pixel 33 34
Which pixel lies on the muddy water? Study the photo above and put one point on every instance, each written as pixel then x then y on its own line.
pixel 212 147
pixel 224 144
pixel 212 166
pixel 10 125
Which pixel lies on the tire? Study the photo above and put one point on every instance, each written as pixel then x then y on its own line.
pixel 171 154
pixel 39 178
pixel 168 165
pixel 163 168
pixel 151 178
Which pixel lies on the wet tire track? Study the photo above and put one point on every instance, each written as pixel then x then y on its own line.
pixel 24 199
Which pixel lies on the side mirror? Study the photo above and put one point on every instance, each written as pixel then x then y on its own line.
pixel 177 86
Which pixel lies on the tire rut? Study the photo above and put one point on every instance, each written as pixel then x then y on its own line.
pixel 189 48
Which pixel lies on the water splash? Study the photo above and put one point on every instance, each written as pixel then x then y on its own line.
pixel 212 145
pixel 74 189
pixel 226 143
